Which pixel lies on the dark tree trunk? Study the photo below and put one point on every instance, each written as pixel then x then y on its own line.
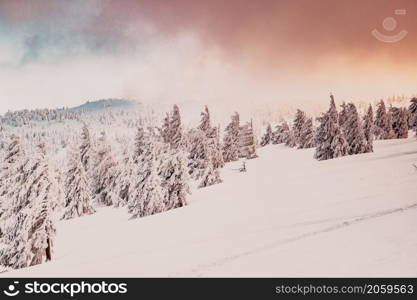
pixel 49 250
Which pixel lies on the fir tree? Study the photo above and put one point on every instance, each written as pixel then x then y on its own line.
pixel 330 141
pixel 343 114
pixel 368 123
pixel 213 139
pixel 175 176
pixel 299 120
pixel 382 128
pixel 139 144
pixel 29 227
pixel 211 175
pixel 353 131
pixel 198 149
pixel 281 133
pixel 125 177
pixel 77 190
pixel 85 148
pixel 290 139
pixel 247 142
pixel 205 123
pixel 412 109
pixel 105 167
pixel 176 136
pixel 148 196
pixel 231 140
pixel 399 122
pixel 267 137
pixel 307 135
pixel 165 131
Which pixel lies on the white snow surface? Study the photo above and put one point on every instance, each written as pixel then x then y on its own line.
pixel 287 216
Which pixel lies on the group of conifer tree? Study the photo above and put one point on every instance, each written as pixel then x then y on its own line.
pixel 344 132
pixel 151 177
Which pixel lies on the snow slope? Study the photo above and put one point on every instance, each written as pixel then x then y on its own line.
pixel 289 215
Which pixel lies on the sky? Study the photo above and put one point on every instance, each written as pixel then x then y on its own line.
pixel 56 53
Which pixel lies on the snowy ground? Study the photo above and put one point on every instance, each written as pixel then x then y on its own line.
pixel 289 215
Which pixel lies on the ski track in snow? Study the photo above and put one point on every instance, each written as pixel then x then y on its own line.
pixel 197 271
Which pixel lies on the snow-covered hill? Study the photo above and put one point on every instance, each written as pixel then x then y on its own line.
pixel 99 105
pixel 289 215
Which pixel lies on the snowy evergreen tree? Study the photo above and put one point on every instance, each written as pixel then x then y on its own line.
pixel 205 123
pixel 148 196
pixel 399 122
pixel 290 139
pixel 247 142
pixel 77 189
pixel 231 140
pixel 307 135
pixel 281 133
pixel 412 109
pixel 389 133
pixel 213 139
pixel 105 172
pixel 165 131
pixel 85 148
pixel 368 123
pixel 28 225
pixel 211 175
pixel 176 136
pixel 124 178
pixel 139 144
pixel 175 176
pixel 198 149
pixel 330 141
pixel 267 137
pixel 382 128
pixel 299 120
pixel 353 131
pixel 343 114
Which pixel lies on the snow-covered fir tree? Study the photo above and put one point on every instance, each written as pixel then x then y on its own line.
pixel 267 137
pixel 281 133
pixel 343 114
pixel 353 131
pixel 174 172
pixel 412 109
pixel 330 141
pixel 105 172
pixel 299 120
pixel 382 128
pixel 85 148
pixel 139 143
pixel 198 152
pixel 124 177
pixel 148 195
pixel 247 141
pixel 213 139
pixel 231 140
pixel 368 124
pixel 211 175
pixel 28 226
pixel 307 136
pixel 176 135
pixel 77 189
pixel 389 133
pixel 205 122
pixel 165 130
pixel 399 122
pixel 290 139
